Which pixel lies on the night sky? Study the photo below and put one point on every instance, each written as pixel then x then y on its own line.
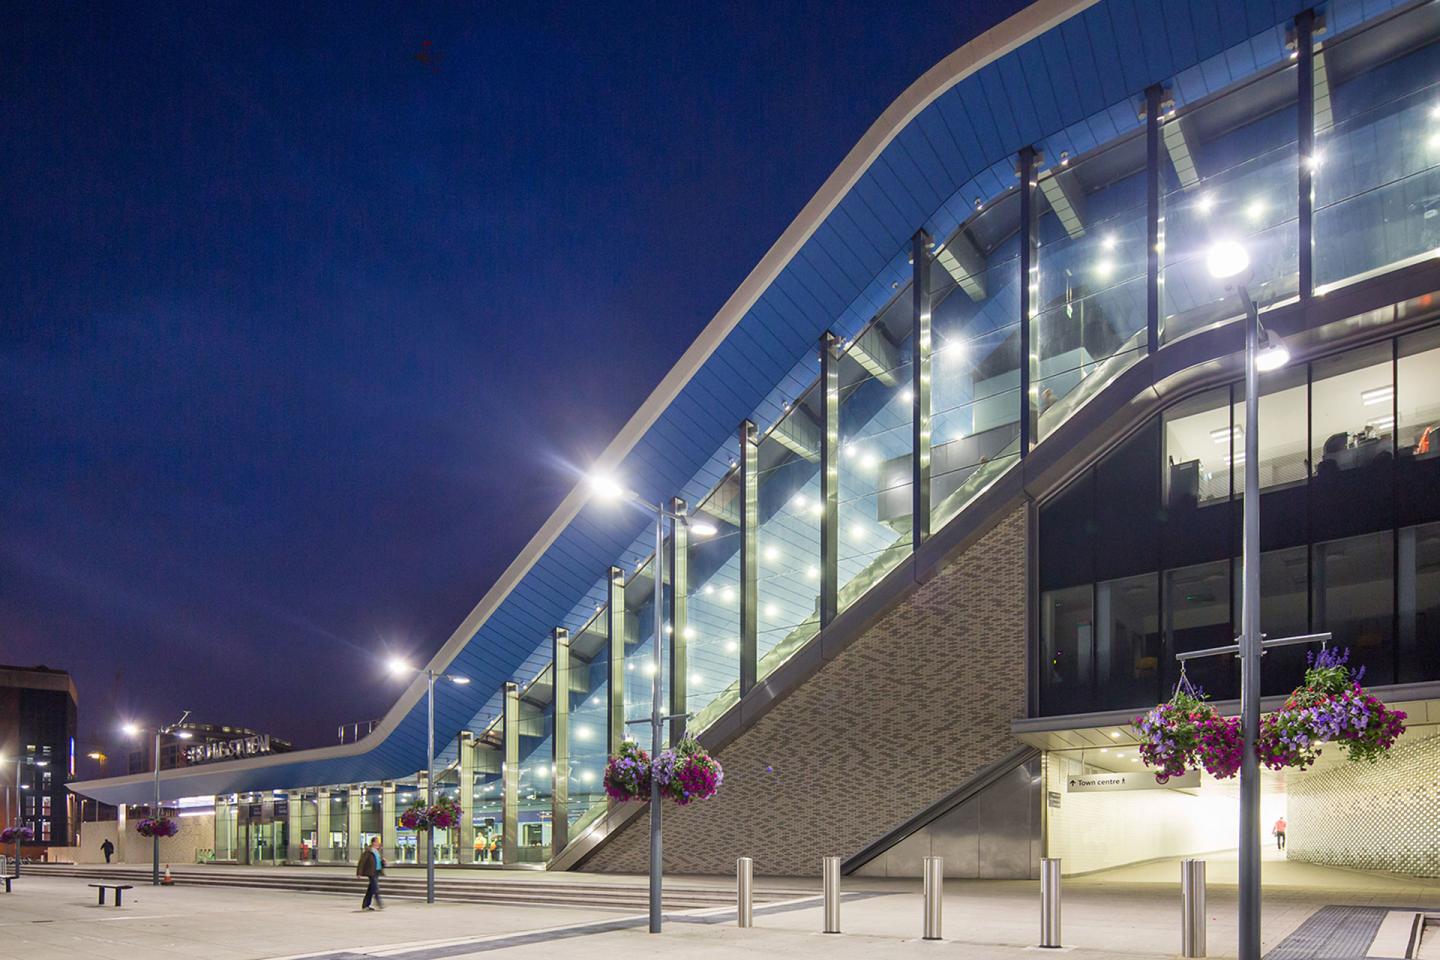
pixel 305 311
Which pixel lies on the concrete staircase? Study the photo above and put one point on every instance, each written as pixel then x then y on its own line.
pixel 628 894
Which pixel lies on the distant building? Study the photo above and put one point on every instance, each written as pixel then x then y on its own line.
pixel 206 743
pixel 37 731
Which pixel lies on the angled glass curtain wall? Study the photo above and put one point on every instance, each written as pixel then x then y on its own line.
pixel 588 720
pixel 536 735
pixel 1377 148
pixel 1229 172
pixel 1089 312
pixel 1227 169
pixel 874 499
pixel 488 814
pixel 975 399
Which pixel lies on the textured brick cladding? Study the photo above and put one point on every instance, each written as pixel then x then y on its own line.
pixel 1380 817
pixel 909 711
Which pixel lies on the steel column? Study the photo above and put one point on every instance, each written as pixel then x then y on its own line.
pixel 829 478
pixel 615 640
pixel 1154 233
pixel 679 647
pixel 657 605
pixel 1250 650
pixel 510 776
pixel 560 741
pixel 1029 293
pixel 430 783
pixel 749 554
pixel 465 773
pixel 920 390
pixel 1305 140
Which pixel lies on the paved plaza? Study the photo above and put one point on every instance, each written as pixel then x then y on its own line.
pixel 1132 912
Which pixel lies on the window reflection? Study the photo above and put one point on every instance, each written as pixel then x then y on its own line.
pixel 1066 630
pixel 1354 600
pixel 1127 646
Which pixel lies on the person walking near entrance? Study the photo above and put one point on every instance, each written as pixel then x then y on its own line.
pixel 371 866
pixel 1279 831
pixel 107 848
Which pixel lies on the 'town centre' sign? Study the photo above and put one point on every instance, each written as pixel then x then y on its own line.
pixel 1135 780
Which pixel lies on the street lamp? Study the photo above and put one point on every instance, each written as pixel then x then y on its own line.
pixel 608 488
pixel 19 818
pixel 399 667
pixel 135 730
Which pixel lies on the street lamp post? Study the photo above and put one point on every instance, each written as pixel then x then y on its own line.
pixel 398 666
pixel 609 489
pixel 134 731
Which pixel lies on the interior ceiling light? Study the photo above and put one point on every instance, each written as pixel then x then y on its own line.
pixel 1377 395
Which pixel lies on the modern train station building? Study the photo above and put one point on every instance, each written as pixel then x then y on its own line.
pixel 957 473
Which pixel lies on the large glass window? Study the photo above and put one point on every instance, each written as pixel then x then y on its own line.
pixel 1417 382
pixel 788 541
pixel 1354 599
pixel 975 401
pixel 1197 616
pixel 1231 175
pixel 334 845
pixel 876 402
pixel 713 605
pixel 640 647
pixel 537 735
pixel 1352 442
pixel 488 816
pixel 1198 472
pixel 1419 596
pixel 1089 316
pixel 1377 139
pixel 1067 628
pixel 1127 647
pixel 1284 612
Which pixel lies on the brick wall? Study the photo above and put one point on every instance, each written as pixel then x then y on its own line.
pixel 1379 817
pixel 905 714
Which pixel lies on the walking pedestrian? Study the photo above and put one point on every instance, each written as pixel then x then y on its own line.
pixel 1279 831
pixel 107 848
pixel 371 866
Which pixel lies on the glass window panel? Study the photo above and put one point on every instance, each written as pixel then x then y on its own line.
pixel 1197 476
pixel 1418 426
pixel 1284 612
pixel 1089 314
pixel 975 400
pixel 1354 600
pixel 1127 505
pixel 1419 595
pixel 788 542
pixel 589 718
pixel 713 606
pixel 1230 174
pixel 537 736
pixel 1352 442
pixel 1067 534
pixel 1377 140
pixel 1283 449
pixel 876 402
pixel 639 645
pixel 1067 643
pixel 334 845
pixel 1197 616
pixel 1127 647
pixel 488 816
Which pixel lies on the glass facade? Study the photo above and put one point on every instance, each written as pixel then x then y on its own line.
pixel 1342 549
pixel 1137 555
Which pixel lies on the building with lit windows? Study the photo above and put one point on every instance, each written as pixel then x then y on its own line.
pixel 958 470
pixel 37 755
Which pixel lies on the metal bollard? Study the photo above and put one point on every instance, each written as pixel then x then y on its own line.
pixel 830 876
pixel 1192 908
pixel 745 892
pixel 1050 902
pixel 934 895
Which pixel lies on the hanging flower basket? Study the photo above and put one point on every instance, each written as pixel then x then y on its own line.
pixel 17 835
pixel 1188 733
pixel 627 774
pixel 1329 707
pixel 688 772
pixel 163 827
pixel 443 814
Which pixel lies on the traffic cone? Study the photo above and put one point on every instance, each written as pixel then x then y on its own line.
pixel 167 880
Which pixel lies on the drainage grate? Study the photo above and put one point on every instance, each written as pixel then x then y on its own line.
pixel 1332 933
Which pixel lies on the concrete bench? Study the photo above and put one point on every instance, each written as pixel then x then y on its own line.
pixel 119 889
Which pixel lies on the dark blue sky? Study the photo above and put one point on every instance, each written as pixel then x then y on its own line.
pixel 296 329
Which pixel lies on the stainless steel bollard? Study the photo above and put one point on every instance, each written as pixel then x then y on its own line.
pixel 1050 902
pixel 1192 908
pixel 830 878
pixel 934 896
pixel 745 892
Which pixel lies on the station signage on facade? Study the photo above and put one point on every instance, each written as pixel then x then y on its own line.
pixel 213 750
pixel 1134 780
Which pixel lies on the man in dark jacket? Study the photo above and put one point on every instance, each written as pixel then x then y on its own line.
pixel 371 866
pixel 107 848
